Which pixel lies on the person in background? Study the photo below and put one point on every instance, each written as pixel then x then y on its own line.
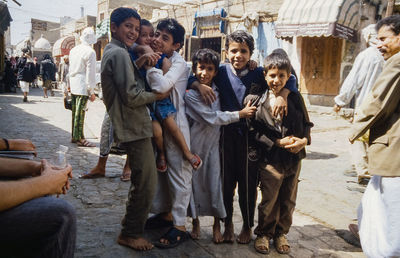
pixel 26 73
pixel 366 69
pixel 37 72
pixel 82 78
pixel 64 75
pixel 48 74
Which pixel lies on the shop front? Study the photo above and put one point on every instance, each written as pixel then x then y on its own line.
pixel 321 29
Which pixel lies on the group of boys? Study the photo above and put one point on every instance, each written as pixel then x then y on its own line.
pixel 259 144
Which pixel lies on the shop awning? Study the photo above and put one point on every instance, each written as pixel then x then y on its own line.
pixel 5 18
pixel 63 45
pixel 310 18
pixel 103 28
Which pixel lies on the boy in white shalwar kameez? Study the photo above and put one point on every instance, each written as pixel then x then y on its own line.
pixel 206 120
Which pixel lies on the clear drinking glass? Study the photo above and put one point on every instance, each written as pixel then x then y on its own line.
pixel 60 158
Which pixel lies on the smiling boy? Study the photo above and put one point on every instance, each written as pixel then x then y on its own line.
pixel 125 99
pixel 281 156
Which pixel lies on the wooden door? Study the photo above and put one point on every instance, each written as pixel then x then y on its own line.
pixel 320 65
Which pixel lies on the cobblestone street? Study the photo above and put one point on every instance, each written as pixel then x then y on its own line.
pixel 327 199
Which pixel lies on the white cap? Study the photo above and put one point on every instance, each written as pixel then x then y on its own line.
pixel 88 36
pixel 370 35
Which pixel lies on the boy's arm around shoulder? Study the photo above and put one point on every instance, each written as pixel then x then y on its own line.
pixel 165 82
pixel 118 66
pixel 202 112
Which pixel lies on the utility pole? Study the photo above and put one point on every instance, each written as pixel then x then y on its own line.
pixel 389 9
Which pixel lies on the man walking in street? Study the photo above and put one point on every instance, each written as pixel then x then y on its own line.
pixel 366 69
pixel 378 213
pixel 48 74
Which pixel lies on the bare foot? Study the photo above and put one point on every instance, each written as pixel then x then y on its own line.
pixel 139 244
pixel 97 171
pixel 229 234
pixel 217 236
pixel 126 173
pixel 195 234
pixel 245 236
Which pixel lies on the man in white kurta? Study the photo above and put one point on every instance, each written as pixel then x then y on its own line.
pixel 82 77
pixel 366 69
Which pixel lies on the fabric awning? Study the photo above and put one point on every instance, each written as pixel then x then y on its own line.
pixel 103 28
pixel 310 18
pixel 63 45
pixel 5 18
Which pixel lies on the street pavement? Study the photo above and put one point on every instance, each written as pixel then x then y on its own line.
pixel 327 200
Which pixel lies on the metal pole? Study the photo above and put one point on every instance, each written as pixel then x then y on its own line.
pixel 389 9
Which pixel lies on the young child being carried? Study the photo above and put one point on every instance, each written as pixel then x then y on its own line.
pixel 163 112
pixel 207 199
pixel 282 140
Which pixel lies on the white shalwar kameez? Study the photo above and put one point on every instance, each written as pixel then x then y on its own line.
pixel 379 218
pixel 178 178
pixel 206 120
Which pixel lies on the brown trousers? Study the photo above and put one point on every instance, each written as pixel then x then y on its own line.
pixel 279 192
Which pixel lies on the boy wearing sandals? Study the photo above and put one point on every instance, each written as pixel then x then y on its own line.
pixel 282 141
pixel 175 187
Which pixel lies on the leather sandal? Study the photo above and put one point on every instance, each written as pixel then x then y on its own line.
pixel 261 244
pixel 280 242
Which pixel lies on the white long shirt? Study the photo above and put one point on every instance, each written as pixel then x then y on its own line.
pixel 366 69
pixel 82 69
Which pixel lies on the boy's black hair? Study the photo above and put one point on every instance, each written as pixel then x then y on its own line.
pixel 240 36
pixel 207 56
pixel 173 27
pixel 280 51
pixel 392 21
pixel 120 14
pixel 277 60
pixel 144 22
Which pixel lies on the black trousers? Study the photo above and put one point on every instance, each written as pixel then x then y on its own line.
pixel 238 170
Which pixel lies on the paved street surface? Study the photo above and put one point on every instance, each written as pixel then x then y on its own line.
pixel 327 199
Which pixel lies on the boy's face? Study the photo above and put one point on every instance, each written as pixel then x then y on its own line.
pixel 164 42
pixel 276 79
pixel 205 72
pixel 146 36
pixel 127 32
pixel 238 55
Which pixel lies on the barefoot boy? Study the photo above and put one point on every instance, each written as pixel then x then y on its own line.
pixel 125 99
pixel 282 153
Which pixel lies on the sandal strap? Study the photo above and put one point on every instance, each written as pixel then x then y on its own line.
pixel 172 235
pixel 281 241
